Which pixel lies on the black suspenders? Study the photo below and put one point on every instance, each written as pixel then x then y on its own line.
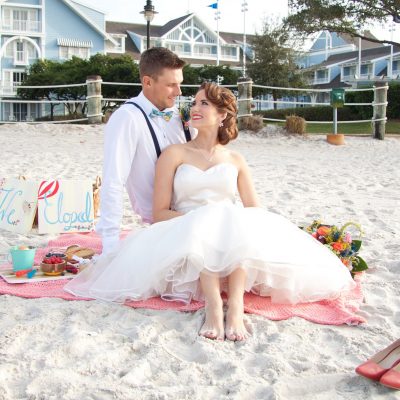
pixel 153 134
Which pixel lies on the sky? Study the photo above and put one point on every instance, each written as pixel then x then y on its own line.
pixel 231 17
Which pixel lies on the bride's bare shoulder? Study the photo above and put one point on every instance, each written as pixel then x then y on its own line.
pixel 174 153
pixel 237 158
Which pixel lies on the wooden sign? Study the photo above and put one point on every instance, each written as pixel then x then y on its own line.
pixel 65 206
pixel 18 202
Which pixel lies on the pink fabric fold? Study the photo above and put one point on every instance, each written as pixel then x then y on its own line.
pixel 342 310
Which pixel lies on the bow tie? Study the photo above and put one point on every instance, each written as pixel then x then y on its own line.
pixel 164 114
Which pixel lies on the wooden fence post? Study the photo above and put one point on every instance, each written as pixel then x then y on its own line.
pixel 380 106
pixel 245 88
pixel 94 97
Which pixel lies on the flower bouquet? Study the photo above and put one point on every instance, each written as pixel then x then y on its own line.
pixel 341 242
pixel 184 111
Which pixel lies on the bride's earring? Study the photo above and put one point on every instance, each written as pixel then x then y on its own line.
pixel 221 124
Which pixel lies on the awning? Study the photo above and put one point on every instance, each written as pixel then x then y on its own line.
pixel 74 43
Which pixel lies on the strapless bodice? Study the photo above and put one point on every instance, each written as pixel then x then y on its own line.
pixel 194 187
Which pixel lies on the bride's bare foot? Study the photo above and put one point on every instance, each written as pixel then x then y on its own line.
pixel 235 328
pixel 213 327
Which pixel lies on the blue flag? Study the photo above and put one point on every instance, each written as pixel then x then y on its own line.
pixel 214 5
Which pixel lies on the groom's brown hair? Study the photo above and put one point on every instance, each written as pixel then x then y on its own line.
pixel 154 60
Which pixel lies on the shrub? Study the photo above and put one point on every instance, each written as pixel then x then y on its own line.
pixel 296 125
pixel 393 110
pixel 317 113
pixel 253 123
pixel 366 112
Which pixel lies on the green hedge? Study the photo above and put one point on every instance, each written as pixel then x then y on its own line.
pixel 365 112
pixel 348 113
pixel 317 113
pixel 393 111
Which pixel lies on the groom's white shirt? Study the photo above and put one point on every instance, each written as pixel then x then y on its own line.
pixel 129 161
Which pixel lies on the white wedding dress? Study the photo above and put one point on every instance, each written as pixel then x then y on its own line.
pixel 217 235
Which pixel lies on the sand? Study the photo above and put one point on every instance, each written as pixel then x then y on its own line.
pixel 56 349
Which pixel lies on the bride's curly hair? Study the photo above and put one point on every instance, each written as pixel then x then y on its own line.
pixel 225 102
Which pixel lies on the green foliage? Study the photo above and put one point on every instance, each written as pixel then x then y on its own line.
pixel 190 77
pixel 343 16
pixel 365 112
pixel 76 70
pixel 347 113
pixel 115 69
pixel 275 60
pixel 317 113
pixel 195 76
pixel 393 110
pixel 359 265
pixel 210 73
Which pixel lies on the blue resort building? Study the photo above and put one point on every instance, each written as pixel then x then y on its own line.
pixel 60 29
pixel 339 60
pixel 187 36
pixel 43 29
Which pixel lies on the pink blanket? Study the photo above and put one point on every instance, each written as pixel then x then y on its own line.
pixel 342 310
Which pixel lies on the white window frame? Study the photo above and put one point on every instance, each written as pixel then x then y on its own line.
pixel 9 85
pixel 117 49
pixel 71 53
pixel 12 19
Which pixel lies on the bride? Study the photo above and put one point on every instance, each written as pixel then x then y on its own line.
pixel 204 241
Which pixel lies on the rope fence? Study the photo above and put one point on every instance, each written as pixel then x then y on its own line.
pixel 92 105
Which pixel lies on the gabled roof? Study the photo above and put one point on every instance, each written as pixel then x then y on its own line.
pixel 352 40
pixel 336 59
pixel 124 28
pixel 158 31
pixel 139 29
pixel 365 44
pixel 352 56
pixel 73 7
pixel 334 83
pixel 235 38
pixel 83 3
pixel 376 53
pixel 162 30
pixel 169 26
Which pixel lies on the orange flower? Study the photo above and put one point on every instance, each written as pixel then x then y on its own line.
pixel 338 246
pixel 323 230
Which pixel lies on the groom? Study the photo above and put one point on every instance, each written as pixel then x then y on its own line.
pixel 134 137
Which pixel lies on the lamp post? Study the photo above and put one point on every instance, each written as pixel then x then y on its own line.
pixel 148 14
pixel 244 9
pixel 390 69
pixel 217 18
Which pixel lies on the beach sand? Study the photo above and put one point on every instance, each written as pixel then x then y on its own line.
pixel 56 349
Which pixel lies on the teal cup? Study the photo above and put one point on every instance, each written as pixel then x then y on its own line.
pixel 22 258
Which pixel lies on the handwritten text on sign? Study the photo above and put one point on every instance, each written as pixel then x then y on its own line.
pixel 18 201
pixel 65 206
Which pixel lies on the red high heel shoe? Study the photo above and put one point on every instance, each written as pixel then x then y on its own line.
pixel 392 378
pixel 380 363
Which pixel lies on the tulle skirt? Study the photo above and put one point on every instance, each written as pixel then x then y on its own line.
pixel 166 259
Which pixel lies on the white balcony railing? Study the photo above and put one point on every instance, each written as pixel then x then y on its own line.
pixel 348 78
pixel 21 58
pixel 19 116
pixel 21 26
pixel 207 56
pixel 366 77
pixel 9 90
pixel 395 73
pixel 319 81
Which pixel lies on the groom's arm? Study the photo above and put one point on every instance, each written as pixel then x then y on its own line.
pixel 120 142
pixel 166 167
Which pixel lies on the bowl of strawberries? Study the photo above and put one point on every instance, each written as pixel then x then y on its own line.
pixel 54 264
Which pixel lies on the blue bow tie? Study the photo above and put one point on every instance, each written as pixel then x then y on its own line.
pixel 164 114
